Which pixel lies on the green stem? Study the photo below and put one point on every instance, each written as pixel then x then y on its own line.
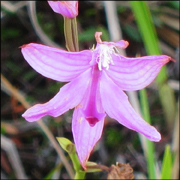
pixel 149 151
pixel 79 173
pixel 71 34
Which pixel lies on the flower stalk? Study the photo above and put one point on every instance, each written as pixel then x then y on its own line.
pixel 71 34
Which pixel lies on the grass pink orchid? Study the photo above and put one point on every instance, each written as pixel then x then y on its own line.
pixel 68 9
pixel 97 78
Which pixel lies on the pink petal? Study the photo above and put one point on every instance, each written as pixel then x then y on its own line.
pixel 85 136
pixel 56 63
pixel 68 9
pixel 121 44
pixel 67 98
pixel 135 73
pixel 117 106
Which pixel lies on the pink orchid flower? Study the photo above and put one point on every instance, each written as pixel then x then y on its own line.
pixel 97 80
pixel 68 9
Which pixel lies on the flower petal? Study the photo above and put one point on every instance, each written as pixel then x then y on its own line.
pixel 135 73
pixel 67 98
pixel 85 136
pixel 68 9
pixel 120 44
pixel 117 106
pixel 56 63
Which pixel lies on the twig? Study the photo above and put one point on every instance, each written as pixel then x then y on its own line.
pixel 13 156
pixel 174 84
pixel 50 136
pixel 13 7
pixel 33 17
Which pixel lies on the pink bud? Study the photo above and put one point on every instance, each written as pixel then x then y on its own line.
pixel 68 9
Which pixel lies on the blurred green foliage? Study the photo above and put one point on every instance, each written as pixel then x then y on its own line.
pixel 113 137
pixel 174 4
pixel 9 33
pixel 88 34
pixel 132 32
pixel 166 171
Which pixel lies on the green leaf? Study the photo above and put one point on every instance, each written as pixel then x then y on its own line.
pixel 69 147
pixel 166 171
pixel 66 144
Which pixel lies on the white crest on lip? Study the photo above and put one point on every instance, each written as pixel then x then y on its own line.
pixel 104 57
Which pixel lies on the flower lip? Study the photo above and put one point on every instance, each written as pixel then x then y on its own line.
pixel 92 120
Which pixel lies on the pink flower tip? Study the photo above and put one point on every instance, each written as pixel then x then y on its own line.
pixel 68 9
pixel 156 137
pixel 23 46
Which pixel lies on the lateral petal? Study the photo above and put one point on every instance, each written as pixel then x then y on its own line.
pixel 135 73
pixel 67 98
pixel 118 107
pixel 55 63
pixel 85 136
